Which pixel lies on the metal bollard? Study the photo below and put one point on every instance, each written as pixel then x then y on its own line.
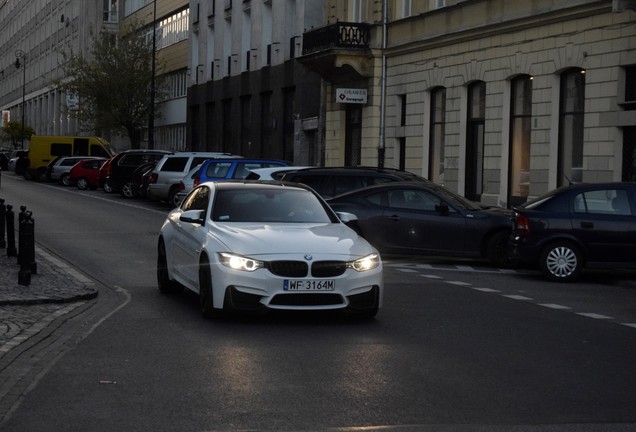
pixel 3 222
pixel 26 256
pixel 11 250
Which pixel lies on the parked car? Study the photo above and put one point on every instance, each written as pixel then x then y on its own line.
pixel 218 169
pixel 118 172
pixel 187 184
pixel 4 162
pixel 254 246
pixel 18 160
pixel 575 227
pixel 141 177
pixel 163 184
pixel 332 181
pixel 58 170
pixel 272 173
pixel 427 219
pixel 85 173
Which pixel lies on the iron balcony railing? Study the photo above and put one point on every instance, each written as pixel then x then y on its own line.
pixel 338 35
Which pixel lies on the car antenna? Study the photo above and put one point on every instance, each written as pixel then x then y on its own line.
pixel 570 183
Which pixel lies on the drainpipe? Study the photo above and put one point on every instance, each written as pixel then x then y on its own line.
pixel 381 145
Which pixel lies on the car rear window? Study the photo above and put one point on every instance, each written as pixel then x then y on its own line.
pixel 174 164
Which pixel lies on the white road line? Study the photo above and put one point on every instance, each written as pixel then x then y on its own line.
pixel 408 271
pixel 633 325
pixel 554 306
pixel 594 315
pixel 488 290
pixel 518 297
pixel 460 283
pixel 431 276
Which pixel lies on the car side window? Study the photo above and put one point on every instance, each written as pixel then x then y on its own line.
pixel 174 164
pixel 413 200
pixel 198 200
pixel 605 201
pixel 217 169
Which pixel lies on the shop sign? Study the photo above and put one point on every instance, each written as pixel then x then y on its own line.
pixel 351 95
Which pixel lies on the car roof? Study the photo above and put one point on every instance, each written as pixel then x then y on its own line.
pixel 258 184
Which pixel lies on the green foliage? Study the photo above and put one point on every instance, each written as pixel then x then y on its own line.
pixel 113 85
pixel 13 132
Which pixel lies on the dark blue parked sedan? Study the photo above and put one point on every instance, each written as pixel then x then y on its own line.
pixel 427 219
pixel 229 168
pixel 577 226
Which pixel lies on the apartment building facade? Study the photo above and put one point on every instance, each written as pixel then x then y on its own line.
pixel 497 100
pixel 32 36
pixel 247 95
pixel 170 19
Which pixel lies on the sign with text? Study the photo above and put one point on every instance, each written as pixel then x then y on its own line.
pixel 351 95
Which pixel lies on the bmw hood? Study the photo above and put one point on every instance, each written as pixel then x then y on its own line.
pixel 251 240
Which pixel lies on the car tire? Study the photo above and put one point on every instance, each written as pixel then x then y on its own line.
pixel 41 175
pixel 127 190
pixel 173 198
pixel 82 183
pixel 165 284
pixel 497 249
pixel 561 261
pixel 107 187
pixel 206 301
pixel 65 180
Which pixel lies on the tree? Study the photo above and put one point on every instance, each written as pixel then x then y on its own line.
pixel 113 85
pixel 13 132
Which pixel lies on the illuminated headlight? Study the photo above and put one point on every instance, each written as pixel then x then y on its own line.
pixel 366 263
pixel 237 262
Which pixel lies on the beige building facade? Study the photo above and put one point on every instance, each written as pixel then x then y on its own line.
pixel 497 100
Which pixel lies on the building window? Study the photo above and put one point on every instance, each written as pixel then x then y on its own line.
pixel 406 8
pixel 475 141
pixel 354 10
pixel 111 11
pixel 571 115
pixel 175 84
pixel 627 88
pixel 171 30
pixel 437 133
pixel 520 130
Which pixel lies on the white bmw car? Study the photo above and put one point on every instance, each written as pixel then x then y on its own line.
pixel 267 245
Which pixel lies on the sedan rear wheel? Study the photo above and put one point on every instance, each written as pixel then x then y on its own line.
pixel 497 250
pixel 561 261
pixel 206 301
pixel 107 187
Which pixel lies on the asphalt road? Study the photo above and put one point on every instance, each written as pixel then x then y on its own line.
pixel 457 347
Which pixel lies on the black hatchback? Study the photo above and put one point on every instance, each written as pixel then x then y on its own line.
pixel 577 226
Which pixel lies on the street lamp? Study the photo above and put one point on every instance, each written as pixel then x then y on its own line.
pixel 19 54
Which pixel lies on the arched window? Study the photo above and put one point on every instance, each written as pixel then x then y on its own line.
pixel 437 133
pixel 520 129
pixel 475 140
pixel 571 115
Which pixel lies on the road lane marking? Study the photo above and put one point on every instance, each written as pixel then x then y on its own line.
pixel 594 315
pixel 554 306
pixel 459 283
pixel 431 276
pixel 518 297
pixel 487 290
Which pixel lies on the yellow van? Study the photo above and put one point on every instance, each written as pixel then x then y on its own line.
pixel 44 149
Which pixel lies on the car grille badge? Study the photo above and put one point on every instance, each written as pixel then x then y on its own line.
pixel 308 257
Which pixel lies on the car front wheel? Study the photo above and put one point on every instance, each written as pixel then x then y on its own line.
pixel 166 285
pixel 206 301
pixel 127 190
pixel 82 183
pixel 65 180
pixel 561 261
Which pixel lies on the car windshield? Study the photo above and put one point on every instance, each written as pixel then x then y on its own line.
pixel 268 205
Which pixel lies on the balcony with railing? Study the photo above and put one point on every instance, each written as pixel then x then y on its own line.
pixel 338 51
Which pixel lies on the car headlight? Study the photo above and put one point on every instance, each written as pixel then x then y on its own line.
pixel 237 262
pixel 366 263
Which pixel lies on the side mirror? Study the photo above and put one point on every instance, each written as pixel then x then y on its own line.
pixel 192 216
pixel 442 208
pixel 347 217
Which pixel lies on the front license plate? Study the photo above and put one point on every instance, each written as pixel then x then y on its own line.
pixel 308 285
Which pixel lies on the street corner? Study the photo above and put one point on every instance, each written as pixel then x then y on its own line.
pixel 50 280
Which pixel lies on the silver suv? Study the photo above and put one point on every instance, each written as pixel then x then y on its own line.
pixel 164 181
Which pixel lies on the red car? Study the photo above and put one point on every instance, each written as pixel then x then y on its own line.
pixel 85 174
